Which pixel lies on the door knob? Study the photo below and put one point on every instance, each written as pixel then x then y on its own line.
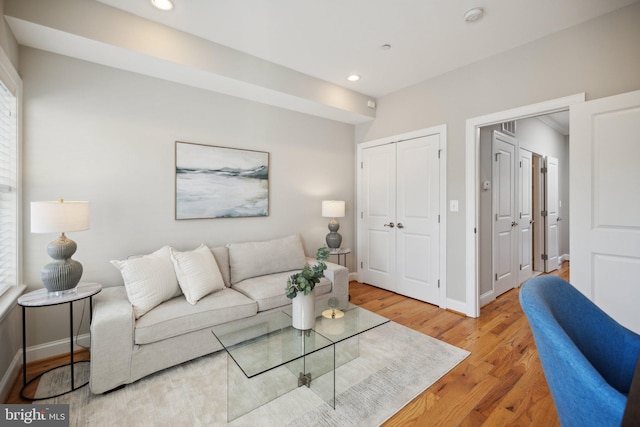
pixel 530 221
pixel 400 225
pixel 390 225
pixel 559 219
pixel 513 223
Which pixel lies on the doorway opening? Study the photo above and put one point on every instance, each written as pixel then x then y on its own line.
pixel 474 184
pixel 522 189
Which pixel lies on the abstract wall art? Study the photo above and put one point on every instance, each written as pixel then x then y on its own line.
pixel 219 182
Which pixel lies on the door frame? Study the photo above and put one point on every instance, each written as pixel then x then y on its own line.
pixel 440 130
pixel 472 166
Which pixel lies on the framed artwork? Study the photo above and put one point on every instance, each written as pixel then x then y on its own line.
pixel 219 182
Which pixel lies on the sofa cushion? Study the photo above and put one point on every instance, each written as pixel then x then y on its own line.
pixel 268 291
pixel 176 316
pixel 221 254
pixel 149 280
pixel 255 259
pixel 198 273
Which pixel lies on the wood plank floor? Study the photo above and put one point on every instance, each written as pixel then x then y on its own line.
pixel 500 384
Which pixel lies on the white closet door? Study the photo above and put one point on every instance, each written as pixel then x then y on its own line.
pixel 379 216
pixel 551 219
pixel 417 230
pixel 525 217
pixel 504 207
pixel 605 206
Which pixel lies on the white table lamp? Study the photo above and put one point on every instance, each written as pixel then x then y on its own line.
pixel 333 209
pixel 63 273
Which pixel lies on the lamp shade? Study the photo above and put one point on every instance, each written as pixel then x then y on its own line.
pixel 333 208
pixel 59 217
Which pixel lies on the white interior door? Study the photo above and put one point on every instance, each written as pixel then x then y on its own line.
pixel 504 208
pixel 605 206
pixel 525 217
pixel 551 215
pixel 417 230
pixel 379 215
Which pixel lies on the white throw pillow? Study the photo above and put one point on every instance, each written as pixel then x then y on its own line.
pixel 149 280
pixel 198 273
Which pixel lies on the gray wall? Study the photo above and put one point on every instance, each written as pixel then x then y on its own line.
pixel 600 57
pixel 8 42
pixel 96 133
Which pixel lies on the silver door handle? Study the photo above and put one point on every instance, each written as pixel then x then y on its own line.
pixel 559 219
pixel 531 221
pixel 513 223
pixel 390 225
pixel 400 225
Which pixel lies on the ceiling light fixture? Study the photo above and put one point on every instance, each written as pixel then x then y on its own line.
pixel 162 4
pixel 353 78
pixel 473 15
pixel 385 46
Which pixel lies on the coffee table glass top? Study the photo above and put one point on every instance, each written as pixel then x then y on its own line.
pixel 263 342
pixel 342 323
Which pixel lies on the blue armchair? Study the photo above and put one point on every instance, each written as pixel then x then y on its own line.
pixel 587 357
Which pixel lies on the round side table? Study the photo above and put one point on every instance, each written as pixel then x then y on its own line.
pixel 43 298
pixel 340 253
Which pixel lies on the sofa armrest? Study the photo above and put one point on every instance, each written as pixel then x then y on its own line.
pixel 112 328
pixel 339 277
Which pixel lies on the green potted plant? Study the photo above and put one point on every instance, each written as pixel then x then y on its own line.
pixel 300 289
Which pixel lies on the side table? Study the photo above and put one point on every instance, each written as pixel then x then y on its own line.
pixel 339 253
pixel 43 298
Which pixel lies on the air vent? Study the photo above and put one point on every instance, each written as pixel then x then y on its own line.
pixel 509 128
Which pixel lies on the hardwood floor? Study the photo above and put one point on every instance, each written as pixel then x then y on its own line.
pixel 501 383
pixel 36 368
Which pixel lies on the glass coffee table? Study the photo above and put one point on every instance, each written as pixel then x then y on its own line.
pixel 267 357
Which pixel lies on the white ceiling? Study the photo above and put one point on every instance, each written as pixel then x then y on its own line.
pixel 330 39
pixel 293 54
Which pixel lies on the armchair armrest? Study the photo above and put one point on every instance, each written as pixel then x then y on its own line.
pixel 339 277
pixel 112 328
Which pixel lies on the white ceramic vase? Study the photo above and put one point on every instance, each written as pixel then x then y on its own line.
pixel 303 310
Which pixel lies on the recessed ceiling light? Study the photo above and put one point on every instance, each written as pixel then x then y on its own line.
pixel 162 4
pixel 472 15
pixel 353 78
pixel 385 46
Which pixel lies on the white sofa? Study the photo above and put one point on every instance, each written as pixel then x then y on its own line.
pixel 127 345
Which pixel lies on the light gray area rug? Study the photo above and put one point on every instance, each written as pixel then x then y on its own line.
pixel 395 365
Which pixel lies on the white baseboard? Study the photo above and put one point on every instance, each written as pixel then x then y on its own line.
pixel 353 276
pixel 455 305
pixel 487 297
pixel 10 376
pixel 54 348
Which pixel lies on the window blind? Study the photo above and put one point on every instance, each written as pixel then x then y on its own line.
pixel 8 190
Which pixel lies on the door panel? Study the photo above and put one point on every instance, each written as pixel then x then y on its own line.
pixel 605 207
pixel 525 221
pixel 551 220
pixel 504 207
pixel 418 230
pixel 401 185
pixel 379 186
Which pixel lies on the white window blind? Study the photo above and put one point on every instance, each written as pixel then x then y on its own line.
pixel 8 190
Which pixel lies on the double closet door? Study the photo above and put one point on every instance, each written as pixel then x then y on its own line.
pixel 400 217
